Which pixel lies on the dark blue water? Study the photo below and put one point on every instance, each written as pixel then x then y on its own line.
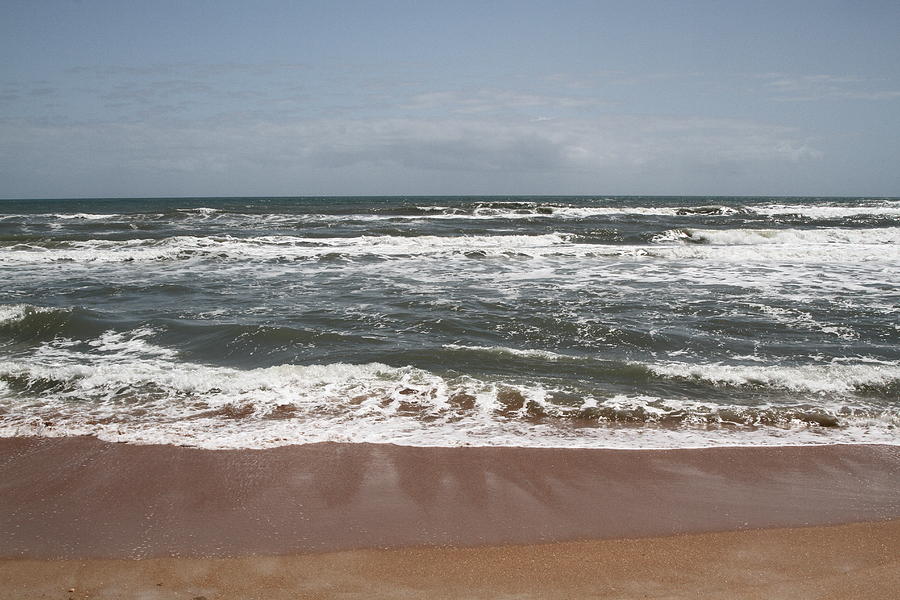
pixel 613 322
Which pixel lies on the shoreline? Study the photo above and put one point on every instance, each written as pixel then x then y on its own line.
pixel 81 498
pixel 86 519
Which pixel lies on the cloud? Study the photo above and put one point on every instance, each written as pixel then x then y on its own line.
pixel 174 132
pixel 193 70
pixel 810 88
pixel 493 101
pixel 157 89
pixel 462 145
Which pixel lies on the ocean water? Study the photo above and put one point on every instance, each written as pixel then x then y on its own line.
pixel 627 322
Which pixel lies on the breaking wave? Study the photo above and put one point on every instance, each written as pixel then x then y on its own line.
pixel 121 386
pixel 530 321
pixel 496 209
pixel 817 379
pixel 825 245
pixel 793 237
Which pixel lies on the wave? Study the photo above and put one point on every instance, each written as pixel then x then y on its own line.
pixel 500 350
pixel 13 313
pixel 832 245
pixel 291 215
pixel 28 323
pixel 885 208
pixel 735 245
pixel 275 247
pixel 203 211
pixel 796 237
pixel 124 387
pixel 836 378
pixel 85 216
pixel 545 210
pixel 260 207
pixel 817 379
pixel 513 210
pixel 480 211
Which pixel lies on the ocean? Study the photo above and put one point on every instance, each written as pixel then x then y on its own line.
pixel 623 322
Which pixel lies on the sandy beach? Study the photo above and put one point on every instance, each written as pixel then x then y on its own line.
pixel 355 520
pixel 835 562
pixel 432 300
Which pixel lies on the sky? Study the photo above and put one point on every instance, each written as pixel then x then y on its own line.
pixel 270 98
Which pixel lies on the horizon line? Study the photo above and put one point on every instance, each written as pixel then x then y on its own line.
pixel 396 196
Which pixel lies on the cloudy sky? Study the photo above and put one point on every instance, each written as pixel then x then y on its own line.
pixel 197 98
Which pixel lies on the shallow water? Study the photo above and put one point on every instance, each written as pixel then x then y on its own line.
pixel 579 322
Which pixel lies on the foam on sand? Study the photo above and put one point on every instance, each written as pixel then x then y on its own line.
pixel 121 386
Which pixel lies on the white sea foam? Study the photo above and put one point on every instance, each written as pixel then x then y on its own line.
pixel 13 312
pixel 792 237
pixel 126 388
pixel 537 211
pixel 84 216
pixel 886 208
pixel 570 212
pixel 795 317
pixel 10 313
pixel 202 211
pixel 274 247
pixel 829 378
pixel 779 253
pixel 541 354
pixel 829 245
pixel 513 210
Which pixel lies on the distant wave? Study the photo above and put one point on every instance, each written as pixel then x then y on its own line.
pixel 745 245
pixel 84 216
pixel 540 354
pixel 274 247
pixel 884 208
pixel 737 237
pixel 492 210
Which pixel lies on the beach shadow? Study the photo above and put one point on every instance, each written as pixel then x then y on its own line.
pixel 437 476
pixel 338 478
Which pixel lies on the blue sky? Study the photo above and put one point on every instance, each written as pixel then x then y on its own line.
pixel 369 98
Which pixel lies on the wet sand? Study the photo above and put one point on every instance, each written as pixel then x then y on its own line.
pixel 74 508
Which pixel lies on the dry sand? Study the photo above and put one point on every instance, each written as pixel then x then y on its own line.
pixel 381 521
pixel 837 562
